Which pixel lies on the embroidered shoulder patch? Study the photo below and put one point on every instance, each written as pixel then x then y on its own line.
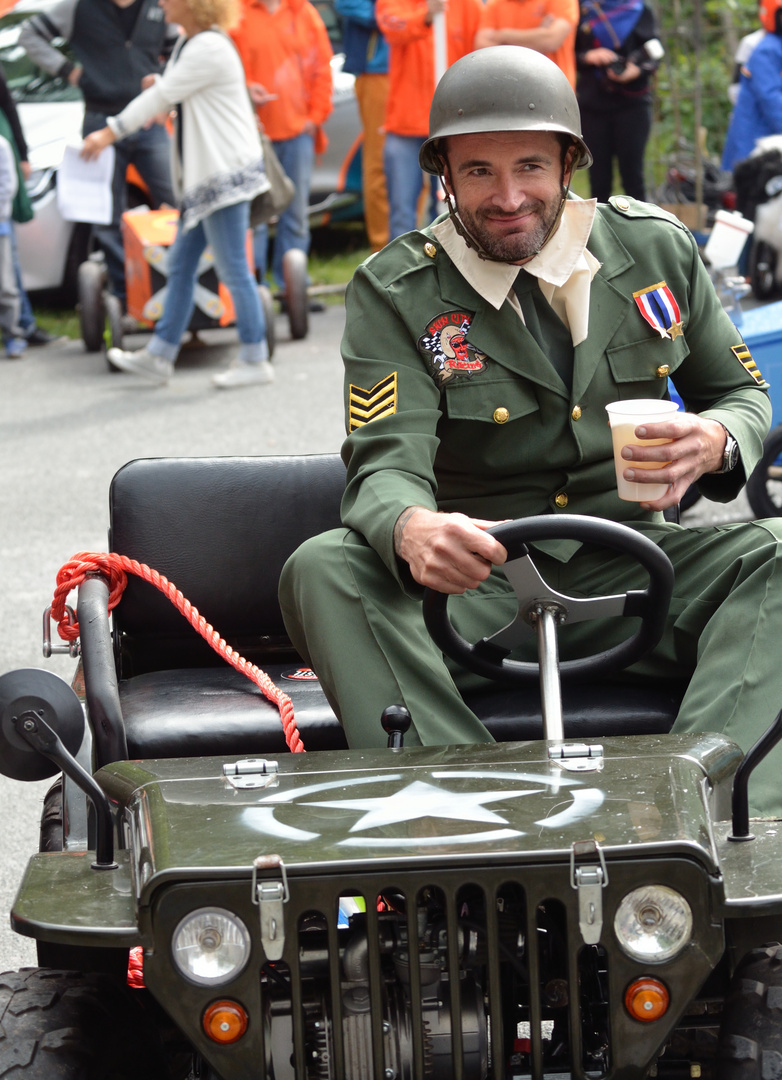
pixel 367 405
pixel 445 347
pixel 744 357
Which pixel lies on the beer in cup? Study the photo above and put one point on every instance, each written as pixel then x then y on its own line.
pixel 624 417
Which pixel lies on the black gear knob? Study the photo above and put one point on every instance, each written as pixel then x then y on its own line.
pixel 396 721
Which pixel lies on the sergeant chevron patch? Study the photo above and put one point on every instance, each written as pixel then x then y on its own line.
pixel 744 357
pixel 367 405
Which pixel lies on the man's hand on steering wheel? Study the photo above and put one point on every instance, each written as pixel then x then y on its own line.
pixel 697 448
pixel 447 552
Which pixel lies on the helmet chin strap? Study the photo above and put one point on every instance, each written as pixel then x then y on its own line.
pixel 477 247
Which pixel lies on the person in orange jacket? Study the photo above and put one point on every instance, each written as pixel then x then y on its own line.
pixel 286 53
pixel 547 26
pixel 407 27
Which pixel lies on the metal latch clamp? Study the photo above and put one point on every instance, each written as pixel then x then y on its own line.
pixel 270 897
pixel 589 880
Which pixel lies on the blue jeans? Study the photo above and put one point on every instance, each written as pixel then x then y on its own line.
pixel 225 230
pixel 149 151
pixel 296 156
pixel 26 319
pixel 404 181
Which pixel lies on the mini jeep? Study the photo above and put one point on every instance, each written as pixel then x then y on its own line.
pixel 585 897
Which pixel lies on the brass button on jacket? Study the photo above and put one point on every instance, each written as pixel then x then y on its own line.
pixel 561 499
pixel 501 415
pixel 662 371
pixel 576 414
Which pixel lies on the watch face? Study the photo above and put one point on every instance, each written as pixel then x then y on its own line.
pixel 731 454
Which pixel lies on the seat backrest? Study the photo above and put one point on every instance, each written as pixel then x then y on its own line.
pixel 220 529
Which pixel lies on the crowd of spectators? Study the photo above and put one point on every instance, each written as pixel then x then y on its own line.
pixel 608 49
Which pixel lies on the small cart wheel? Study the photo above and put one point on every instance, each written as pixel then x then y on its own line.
pixel 89 285
pixel 764 487
pixel 294 273
pixel 751 1027
pixel 73 1025
pixel 112 331
pixel 763 270
pixel 267 303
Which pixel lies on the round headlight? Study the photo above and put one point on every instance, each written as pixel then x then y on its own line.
pixel 211 946
pixel 653 923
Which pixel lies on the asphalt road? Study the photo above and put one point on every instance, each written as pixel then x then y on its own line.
pixel 67 425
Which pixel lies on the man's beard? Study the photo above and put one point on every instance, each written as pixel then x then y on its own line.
pixel 513 246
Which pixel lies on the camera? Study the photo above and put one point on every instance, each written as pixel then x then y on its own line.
pixel 617 66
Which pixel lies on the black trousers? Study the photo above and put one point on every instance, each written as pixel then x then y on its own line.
pixel 619 133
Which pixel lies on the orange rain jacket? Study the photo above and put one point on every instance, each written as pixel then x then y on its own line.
pixel 411 56
pixel 529 15
pixel 289 54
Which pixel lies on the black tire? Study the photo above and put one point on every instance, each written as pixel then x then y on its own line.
pixel 78 251
pixel 751 1030
pixel 267 303
pixel 294 273
pixel 112 331
pixel 91 279
pixel 67 1025
pixel 764 487
pixel 51 834
pixel 763 270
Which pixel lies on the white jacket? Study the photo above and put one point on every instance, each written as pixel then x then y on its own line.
pixel 221 160
pixel 9 181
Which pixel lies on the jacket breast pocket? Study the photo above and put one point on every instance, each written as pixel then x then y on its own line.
pixel 641 368
pixel 493 401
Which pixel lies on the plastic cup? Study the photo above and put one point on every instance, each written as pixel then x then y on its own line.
pixel 624 417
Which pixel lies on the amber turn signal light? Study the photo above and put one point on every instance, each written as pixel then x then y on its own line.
pixel 225 1022
pixel 646 999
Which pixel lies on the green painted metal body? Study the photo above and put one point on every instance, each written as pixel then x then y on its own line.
pixel 357 811
pixel 488 818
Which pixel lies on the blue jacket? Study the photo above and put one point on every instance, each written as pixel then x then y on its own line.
pixel 366 50
pixel 758 110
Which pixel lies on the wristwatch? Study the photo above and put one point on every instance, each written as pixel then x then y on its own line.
pixel 730 457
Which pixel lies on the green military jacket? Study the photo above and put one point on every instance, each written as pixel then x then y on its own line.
pixel 452 405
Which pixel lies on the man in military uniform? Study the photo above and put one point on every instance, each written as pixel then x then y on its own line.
pixel 480 354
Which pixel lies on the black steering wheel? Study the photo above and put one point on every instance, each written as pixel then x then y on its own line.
pixel 488 657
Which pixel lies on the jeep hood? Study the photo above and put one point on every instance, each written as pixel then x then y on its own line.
pixel 361 810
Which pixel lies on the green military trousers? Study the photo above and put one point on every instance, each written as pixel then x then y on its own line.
pixel 365 637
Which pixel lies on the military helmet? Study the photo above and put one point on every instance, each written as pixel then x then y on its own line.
pixel 502 88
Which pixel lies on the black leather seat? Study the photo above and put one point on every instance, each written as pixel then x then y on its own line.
pixel 220 529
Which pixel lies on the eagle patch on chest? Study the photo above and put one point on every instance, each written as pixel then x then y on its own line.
pixel 446 349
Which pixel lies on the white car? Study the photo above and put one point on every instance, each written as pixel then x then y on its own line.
pixel 51 111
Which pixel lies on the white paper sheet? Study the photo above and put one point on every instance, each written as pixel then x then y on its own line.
pixel 84 187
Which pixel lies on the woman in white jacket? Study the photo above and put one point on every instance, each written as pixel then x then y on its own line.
pixel 217 169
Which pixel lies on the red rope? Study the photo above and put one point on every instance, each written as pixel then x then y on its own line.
pixel 116 569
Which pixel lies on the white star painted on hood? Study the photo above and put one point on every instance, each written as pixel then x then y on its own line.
pixel 421 800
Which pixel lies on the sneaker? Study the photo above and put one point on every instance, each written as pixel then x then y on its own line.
pixel 39 336
pixel 131 325
pixel 155 369
pixel 15 347
pixel 244 374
